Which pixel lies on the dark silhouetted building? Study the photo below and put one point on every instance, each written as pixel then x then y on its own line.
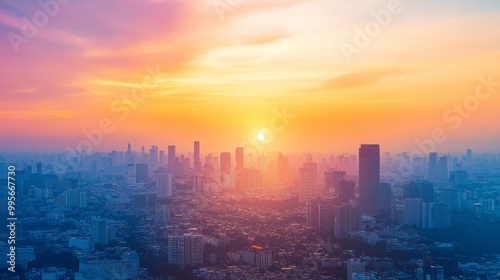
pixel 332 179
pixel 345 190
pixel 197 162
pixel 141 173
pixel 369 179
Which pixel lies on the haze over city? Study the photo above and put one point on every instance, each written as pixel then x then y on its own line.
pixel 249 140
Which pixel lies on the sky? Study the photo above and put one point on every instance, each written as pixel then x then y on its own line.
pixel 315 75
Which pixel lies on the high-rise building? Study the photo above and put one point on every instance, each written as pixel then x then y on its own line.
pixel 153 154
pixel 306 184
pixel 452 197
pixel 469 154
pixel 141 173
pixel 131 176
pixel 175 250
pixel 225 164
pixel 436 215
pixel 312 213
pixel 252 178
pixel 332 179
pixel 197 162
pixel 314 169
pixel 185 250
pixel 347 219
pixel 385 200
pixel 369 179
pixel 164 185
pixel 413 212
pixel 162 214
pixel 345 190
pixel 100 231
pixel 193 249
pixel 423 190
pixel 162 158
pixel 240 166
pixel 432 171
pixel 459 177
pixel 443 169
pixel 172 162
pixel 39 168
pixel 326 220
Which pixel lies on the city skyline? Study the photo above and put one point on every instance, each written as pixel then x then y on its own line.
pixel 232 139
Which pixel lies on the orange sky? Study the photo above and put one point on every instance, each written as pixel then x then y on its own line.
pixel 222 78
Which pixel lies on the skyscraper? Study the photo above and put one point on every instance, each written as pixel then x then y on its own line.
pixel 164 185
pixel 442 169
pixel 171 159
pixel 141 173
pixel 153 154
pixel 413 212
pixel 225 164
pixel 306 181
pixel 369 179
pixel 432 171
pixel 197 163
pixel 240 159
pixel 332 179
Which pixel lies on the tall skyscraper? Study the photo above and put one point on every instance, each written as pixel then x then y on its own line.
pixel 240 159
pixel 164 185
pixel 153 154
pixel 469 154
pixel 443 169
pixel 197 162
pixel 171 159
pixel 432 171
pixel 141 173
pixel 369 179
pixel 306 184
